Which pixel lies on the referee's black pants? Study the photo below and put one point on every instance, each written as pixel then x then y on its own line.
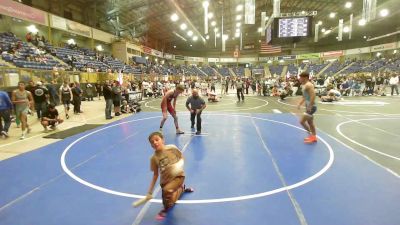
pixel 193 117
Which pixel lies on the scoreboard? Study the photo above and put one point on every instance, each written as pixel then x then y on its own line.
pixel 293 27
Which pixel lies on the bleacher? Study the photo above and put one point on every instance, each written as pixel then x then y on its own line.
pixel 276 70
pixel 208 70
pixel 26 56
pixel 336 67
pixel 293 69
pixel 316 68
pixel 239 71
pixel 392 65
pixel 224 71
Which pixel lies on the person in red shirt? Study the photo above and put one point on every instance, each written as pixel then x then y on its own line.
pixel 28 37
pixel 166 106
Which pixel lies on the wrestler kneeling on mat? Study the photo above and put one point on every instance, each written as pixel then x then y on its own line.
pixel 167 161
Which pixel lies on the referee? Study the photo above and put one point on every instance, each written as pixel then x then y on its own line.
pixel 197 105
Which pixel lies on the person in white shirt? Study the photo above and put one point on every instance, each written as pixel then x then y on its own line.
pixel 394 82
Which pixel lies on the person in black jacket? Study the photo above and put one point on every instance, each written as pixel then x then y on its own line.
pixel 108 97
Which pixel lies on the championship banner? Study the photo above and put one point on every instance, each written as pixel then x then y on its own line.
pixel 250 12
pixel 383 47
pixel 287 57
pixel 332 54
pixel 309 56
pixel 179 57
pixel 21 11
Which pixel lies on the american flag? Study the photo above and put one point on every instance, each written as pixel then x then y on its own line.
pixel 269 49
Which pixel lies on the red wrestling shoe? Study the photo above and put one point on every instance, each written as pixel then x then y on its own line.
pixel 311 139
pixel 161 215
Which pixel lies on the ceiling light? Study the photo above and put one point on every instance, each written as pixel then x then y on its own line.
pixel 206 4
pixel 269 61
pixel 395 51
pixel 195 38
pixel 213 23
pixel 174 46
pixel 238 24
pixel 365 37
pixel 346 29
pixel 183 26
pixel 319 22
pixel 259 29
pixel 210 15
pixel 32 28
pixel 362 22
pixel 237 35
pixel 348 5
pixel 174 17
pixel 190 33
pixel 384 12
pixel 239 8
pixel 237 30
pixel 71 41
pixel 332 15
pixel 238 17
pixel 378 54
pixel 323 30
pixel 191 45
pixel 303 12
pixel 99 48
pixel 218 35
pixel 327 32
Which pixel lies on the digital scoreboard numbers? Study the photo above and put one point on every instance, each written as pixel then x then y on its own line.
pixel 293 27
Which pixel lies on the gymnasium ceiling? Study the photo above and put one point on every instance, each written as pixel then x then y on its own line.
pixel 150 20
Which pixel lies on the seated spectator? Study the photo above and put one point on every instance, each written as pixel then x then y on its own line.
pixel 51 118
pixel 212 97
pixel 345 88
pixel 287 91
pixel 275 91
pixel 356 88
pixel 332 95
